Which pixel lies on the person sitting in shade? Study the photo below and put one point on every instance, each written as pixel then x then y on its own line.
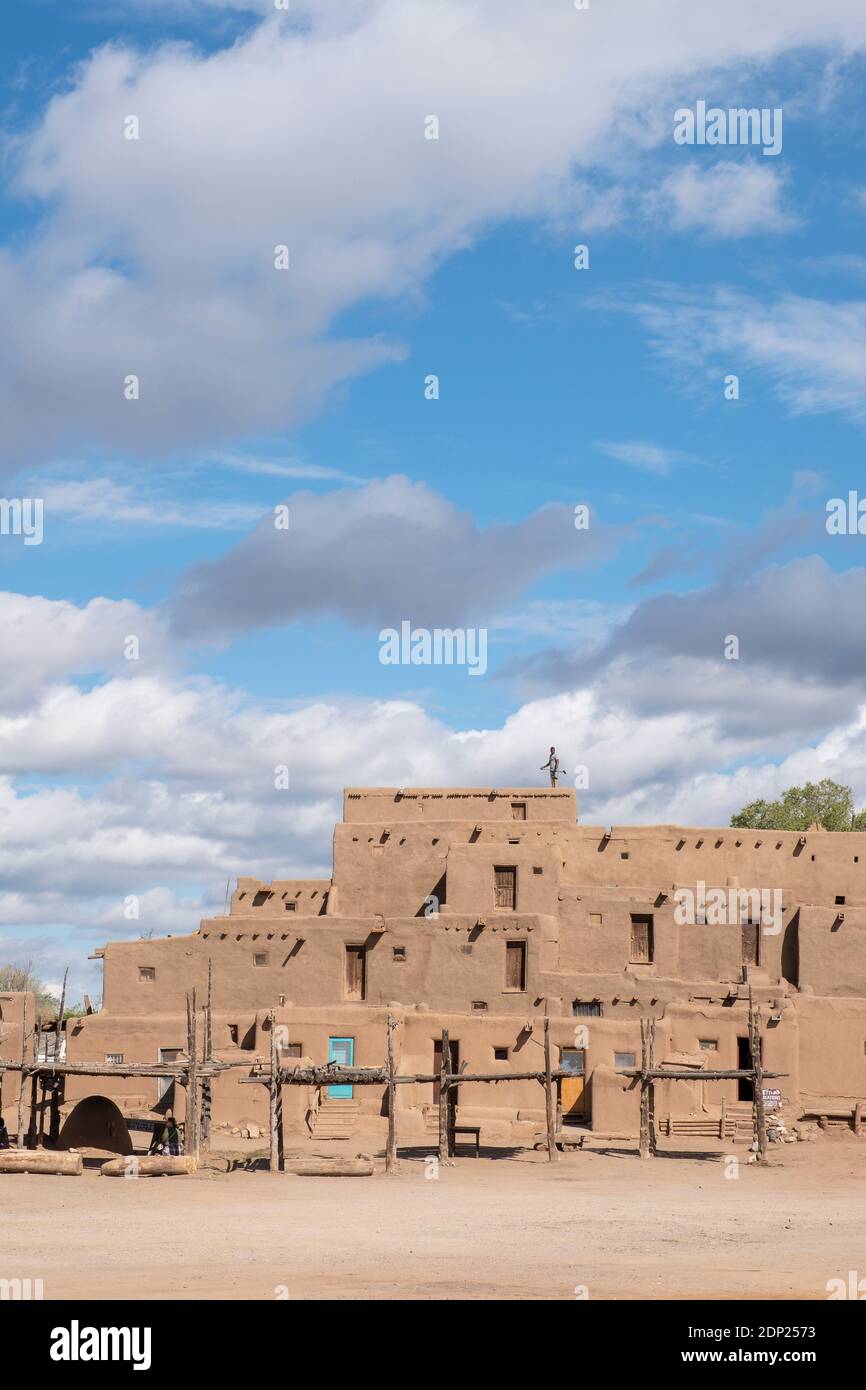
pixel 553 765
pixel 4 1134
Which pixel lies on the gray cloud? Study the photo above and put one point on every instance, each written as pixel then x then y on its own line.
pixel 372 556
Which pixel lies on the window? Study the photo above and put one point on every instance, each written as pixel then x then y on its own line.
pixel 479 1006
pixel 399 952
pixel 518 810
pixel 292 1050
pixel 291 906
pixel 233 1033
pixel 146 973
pixel 749 943
pixel 840 901
pixel 641 952
pixel 114 1058
pixel 586 1008
pixel 708 1044
pixel 623 1059
pixel 624 854
pixel 515 966
pixel 260 958
pixel 595 919
pixel 500 1054
pixel 356 972
pixel 505 887
pixel 537 870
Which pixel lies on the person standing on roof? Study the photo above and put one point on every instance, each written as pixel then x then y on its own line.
pixel 553 764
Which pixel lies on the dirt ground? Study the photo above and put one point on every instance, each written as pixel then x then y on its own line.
pixel 489 1228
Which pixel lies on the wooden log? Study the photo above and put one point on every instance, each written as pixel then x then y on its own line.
pixel 332 1168
pixel 272 1100
pixel 60 1015
pixel 391 1145
pixel 760 1119
pixel 191 1138
pixel 723 1118
pixel 40 1161
pixel 644 1141
pixel 154 1166
pixel 549 1111
pixel 651 1090
pixel 206 1094
pixel 444 1136
pixel 858 1116
pixel 20 1136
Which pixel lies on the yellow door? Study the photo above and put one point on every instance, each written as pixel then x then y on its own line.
pixel 572 1087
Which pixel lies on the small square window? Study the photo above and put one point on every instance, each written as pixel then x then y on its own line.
pixel 518 810
pixel 260 958
pixel 708 1044
pixel 293 1050
pixel 479 1006
pixel 537 871
pixel 595 919
pixel 840 900
pixel 624 854
pixel 291 906
pixel 147 973
pixel 623 1059
pixel 114 1058
pixel 500 1054
pixel 399 952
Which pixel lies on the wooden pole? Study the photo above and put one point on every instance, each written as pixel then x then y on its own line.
pixel 273 1088
pixel 651 1089
pixel 552 1153
pixel 60 1014
pixel 192 1088
pixel 644 1092
pixel 758 1112
pixel 391 1146
pixel 20 1136
pixel 443 1098
pixel 208 1057
pixel 34 1085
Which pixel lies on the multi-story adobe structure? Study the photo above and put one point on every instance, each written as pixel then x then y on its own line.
pixel 478 910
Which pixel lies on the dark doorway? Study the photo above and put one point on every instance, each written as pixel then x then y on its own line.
pixel 454 1048
pixel 745 1089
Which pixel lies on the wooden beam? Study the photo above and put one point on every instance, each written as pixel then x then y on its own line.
pixel 549 1113
pixel 443 1097
pixel 644 1142
pixel 273 1090
pixel 208 1057
pixel 391 1145
pixel 20 1137
pixel 760 1118
pixel 191 1125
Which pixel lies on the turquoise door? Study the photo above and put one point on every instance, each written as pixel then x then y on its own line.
pixel 341 1050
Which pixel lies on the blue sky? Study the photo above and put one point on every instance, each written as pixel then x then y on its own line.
pixel 151 780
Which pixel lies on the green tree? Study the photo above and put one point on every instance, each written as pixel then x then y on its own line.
pixel 826 803
pixel 21 978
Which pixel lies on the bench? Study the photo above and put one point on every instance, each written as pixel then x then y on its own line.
pixel 466 1129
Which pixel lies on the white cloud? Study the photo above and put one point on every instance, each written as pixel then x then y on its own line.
pixel 728 199
pixel 155 256
pixel 651 458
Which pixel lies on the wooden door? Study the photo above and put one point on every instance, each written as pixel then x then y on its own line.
pixel 341 1050
pixel 573 1087
pixel 505 887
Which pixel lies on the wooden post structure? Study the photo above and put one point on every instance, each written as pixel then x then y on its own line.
pixel 644 1091
pixel 20 1137
pixel 391 1146
pixel 208 1057
pixel 549 1111
pixel 34 1085
pixel 759 1118
pixel 273 1107
pixel 191 1145
pixel 444 1063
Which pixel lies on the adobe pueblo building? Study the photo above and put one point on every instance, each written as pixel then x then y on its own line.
pixel 478 911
